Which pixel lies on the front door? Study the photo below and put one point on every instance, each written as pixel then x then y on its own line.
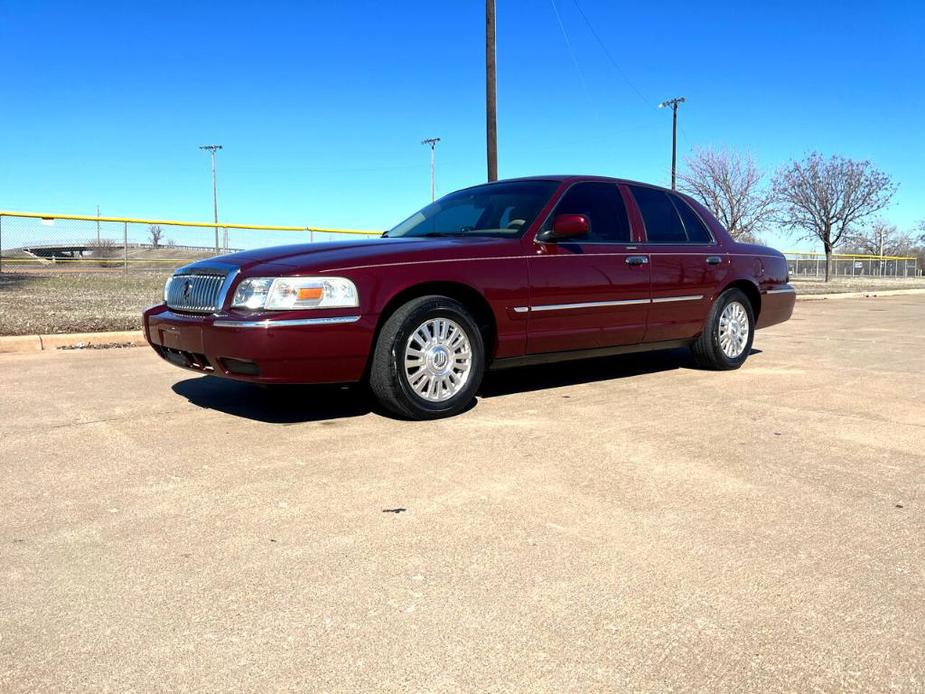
pixel 592 291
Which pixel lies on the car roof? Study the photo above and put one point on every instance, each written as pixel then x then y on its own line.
pixel 570 178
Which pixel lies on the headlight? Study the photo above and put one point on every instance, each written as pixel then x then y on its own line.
pixel 252 293
pixel 293 293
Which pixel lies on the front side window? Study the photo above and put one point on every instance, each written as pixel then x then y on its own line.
pixel 603 205
pixel 496 209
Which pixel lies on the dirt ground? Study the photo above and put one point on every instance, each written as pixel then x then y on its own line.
pixel 34 302
pixel 839 285
pixel 629 524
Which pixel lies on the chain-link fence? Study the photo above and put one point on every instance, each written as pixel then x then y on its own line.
pixel 35 241
pixel 71 273
pixel 812 265
pixel 32 241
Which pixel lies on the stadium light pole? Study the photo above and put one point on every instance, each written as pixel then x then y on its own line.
pixel 432 141
pixel 881 250
pixel 673 105
pixel 212 149
pixel 491 100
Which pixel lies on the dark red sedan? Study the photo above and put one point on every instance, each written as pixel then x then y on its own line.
pixel 502 274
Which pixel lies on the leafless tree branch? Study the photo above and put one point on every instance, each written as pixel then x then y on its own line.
pixel 882 236
pixel 826 199
pixel 732 187
pixel 155 233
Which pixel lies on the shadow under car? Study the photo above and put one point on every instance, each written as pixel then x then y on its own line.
pixel 294 404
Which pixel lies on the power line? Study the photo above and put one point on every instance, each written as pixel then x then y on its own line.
pixel 571 52
pixel 609 56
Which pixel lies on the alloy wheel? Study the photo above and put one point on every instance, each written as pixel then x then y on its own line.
pixel 438 359
pixel 734 329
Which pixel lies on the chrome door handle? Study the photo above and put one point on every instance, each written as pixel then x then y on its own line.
pixel 714 260
pixel 637 259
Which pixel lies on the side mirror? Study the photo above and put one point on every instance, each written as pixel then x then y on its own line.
pixel 568 226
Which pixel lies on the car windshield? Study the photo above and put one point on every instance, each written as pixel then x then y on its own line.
pixel 495 209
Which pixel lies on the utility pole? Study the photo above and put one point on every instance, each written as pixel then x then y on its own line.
pixel 97 226
pixel 432 141
pixel 212 149
pixel 673 104
pixel 491 102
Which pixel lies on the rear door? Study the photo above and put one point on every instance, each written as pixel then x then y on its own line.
pixel 687 264
pixel 593 291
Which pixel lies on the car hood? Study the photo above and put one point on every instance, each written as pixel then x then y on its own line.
pixel 326 257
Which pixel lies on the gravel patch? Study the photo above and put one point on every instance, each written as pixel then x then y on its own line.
pixel 43 303
pixel 841 285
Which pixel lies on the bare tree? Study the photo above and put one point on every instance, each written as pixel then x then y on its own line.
pixel 731 186
pixel 919 251
pixel 882 238
pixel 103 251
pixel 155 233
pixel 825 199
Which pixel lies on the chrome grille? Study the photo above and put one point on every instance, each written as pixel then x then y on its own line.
pixel 197 293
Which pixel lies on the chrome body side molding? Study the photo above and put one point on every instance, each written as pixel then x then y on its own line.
pixel 598 304
pixel 667 299
pixel 266 324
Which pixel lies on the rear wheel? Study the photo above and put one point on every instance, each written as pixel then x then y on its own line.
pixel 429 359
pixel 727 335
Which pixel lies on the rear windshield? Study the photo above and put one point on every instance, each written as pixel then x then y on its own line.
pixel 496 209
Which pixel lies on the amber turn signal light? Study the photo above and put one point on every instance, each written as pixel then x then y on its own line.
pixel 308 293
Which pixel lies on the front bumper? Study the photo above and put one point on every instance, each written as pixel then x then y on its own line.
pixel 290 348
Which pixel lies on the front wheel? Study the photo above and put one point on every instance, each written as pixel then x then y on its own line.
pixel 429 359
pixel 727 335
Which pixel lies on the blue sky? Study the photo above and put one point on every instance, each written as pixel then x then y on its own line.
pixel 321 106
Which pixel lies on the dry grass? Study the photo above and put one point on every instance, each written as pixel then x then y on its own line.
pixel 64 300
pixel 33 302
pixel 841 285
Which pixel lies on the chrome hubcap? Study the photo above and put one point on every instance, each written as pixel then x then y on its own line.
pixel 438 358
pixel 734 329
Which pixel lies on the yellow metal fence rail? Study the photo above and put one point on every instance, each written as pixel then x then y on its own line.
pixel 812 255
pixel 172 222
pixel 26 239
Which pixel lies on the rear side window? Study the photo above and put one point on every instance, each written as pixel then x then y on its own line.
pixel 663 225
pixel 603 205
pixel 696 231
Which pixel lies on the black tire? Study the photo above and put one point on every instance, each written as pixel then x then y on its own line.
pixel 708 351
pixel 387 375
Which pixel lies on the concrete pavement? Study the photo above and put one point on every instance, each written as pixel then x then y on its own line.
pixel 629 523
